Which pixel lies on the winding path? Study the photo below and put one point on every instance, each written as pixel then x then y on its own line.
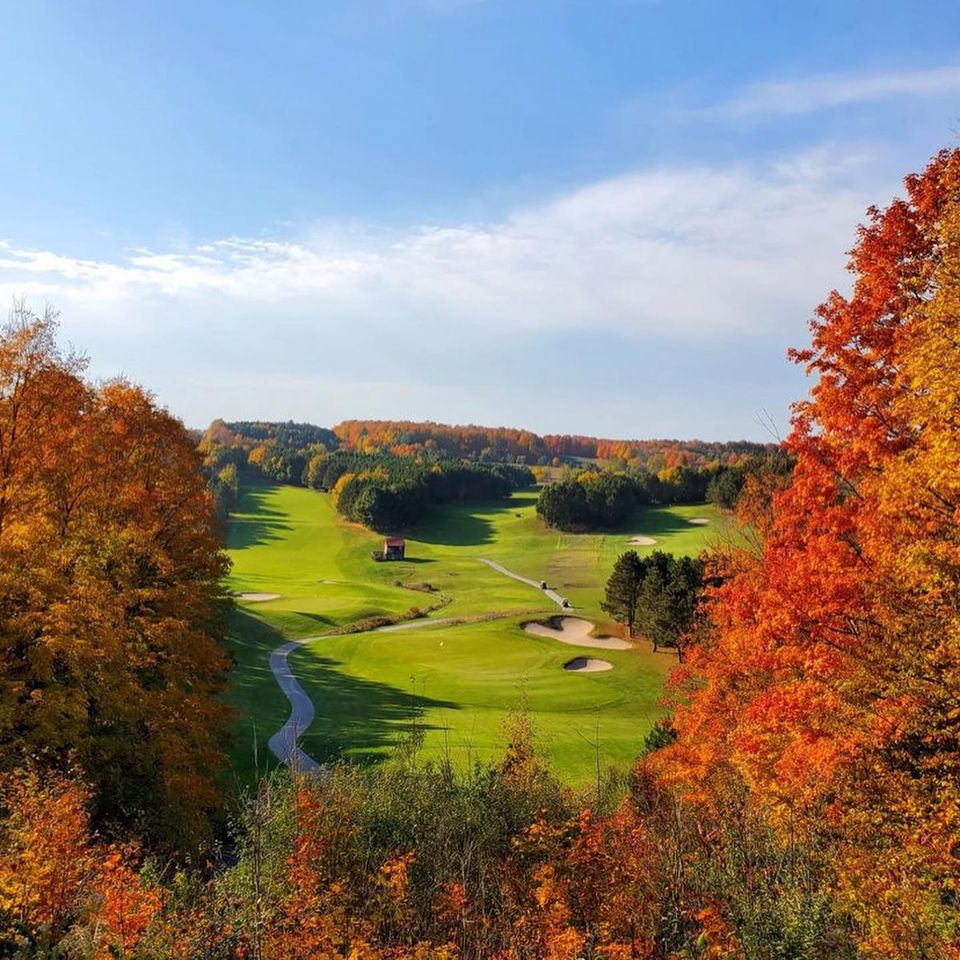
pixel 546 591
pixel 284 743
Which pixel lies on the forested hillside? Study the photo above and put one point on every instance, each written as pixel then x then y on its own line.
pixel 391 485
pixel 522 446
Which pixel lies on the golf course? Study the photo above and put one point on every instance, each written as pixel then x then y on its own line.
pixel 472 645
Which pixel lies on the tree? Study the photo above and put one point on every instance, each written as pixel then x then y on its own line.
pixel 655 596
pixel 589 500
pixel 225 490
pixel 724 489
pixel 623 589
pixel 110 592
pixel 826 688
pixel 654 614
pixel 313 472
pixel 46 859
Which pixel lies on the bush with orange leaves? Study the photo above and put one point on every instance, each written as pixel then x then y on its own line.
pixel 57 884
pixel 47 861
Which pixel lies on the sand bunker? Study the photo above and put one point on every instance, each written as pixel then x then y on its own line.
pixel 699 521
pixel 641 541
pixel 258 597
pixel 587 665
pixel 576 632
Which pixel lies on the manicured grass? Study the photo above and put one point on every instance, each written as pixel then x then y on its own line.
pixel 460 685
pixel 457 683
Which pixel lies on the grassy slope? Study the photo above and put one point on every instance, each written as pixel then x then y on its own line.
pixel 458 683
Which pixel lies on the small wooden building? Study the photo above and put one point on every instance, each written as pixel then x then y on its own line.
pixel 394 548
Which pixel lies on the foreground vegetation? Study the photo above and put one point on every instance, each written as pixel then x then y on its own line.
pixel 412 862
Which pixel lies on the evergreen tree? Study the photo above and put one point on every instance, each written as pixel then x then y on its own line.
pixel 623 588
pixel 655 596
pixel 653 600
pixel 667 598
pixel 724 489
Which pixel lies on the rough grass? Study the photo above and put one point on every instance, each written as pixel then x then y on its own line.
pixel 454 684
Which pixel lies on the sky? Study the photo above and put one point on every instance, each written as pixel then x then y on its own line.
pixel 606 217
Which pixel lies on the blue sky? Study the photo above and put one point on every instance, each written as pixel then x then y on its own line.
pixel 604 216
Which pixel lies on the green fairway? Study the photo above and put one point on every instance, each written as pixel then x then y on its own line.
pixel 458 683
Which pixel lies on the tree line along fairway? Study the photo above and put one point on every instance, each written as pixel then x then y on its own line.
pixel 458 683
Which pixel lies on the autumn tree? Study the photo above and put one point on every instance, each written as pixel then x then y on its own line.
pixel 58 884
pixel 110 596
pixel 47 862
pixel 828 687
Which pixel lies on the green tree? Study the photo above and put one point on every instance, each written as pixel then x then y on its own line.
pixel 724 489
pixel 623 589
pixel 654 618
pixel 668 597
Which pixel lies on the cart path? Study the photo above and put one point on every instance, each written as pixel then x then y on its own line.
pixel 546 591
pixel 284 744
pixel 460 621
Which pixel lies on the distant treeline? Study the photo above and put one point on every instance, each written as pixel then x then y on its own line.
pixel 484 444
pixel 503 444
pixel 297 436
pixel 590 500
pixel 381 491
pixel 397 469
pixel 386 492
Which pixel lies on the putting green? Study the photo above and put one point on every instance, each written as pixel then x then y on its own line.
pixel 457 684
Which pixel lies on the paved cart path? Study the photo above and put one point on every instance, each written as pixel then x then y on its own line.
pixel 284 744
pixel 546 591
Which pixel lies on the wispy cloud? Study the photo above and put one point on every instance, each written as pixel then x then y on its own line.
pixel 668 285
pixel 684 252
pixel 826 91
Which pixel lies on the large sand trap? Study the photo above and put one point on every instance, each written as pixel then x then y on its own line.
pixel 642 541
pixel 699 521
pixel 587 665
pixel 576 632
pixel 258 597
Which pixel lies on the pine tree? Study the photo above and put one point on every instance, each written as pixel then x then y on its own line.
pixel 623 589
pixel 653 605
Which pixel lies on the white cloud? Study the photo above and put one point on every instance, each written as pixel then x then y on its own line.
pixel 682 252
pixel 810 94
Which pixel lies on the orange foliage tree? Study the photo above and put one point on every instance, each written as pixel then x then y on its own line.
pixel 829 686
pixel 110 596
pixel 55 879
pixel 47 862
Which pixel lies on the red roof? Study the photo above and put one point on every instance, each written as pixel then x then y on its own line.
pixel 394 542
